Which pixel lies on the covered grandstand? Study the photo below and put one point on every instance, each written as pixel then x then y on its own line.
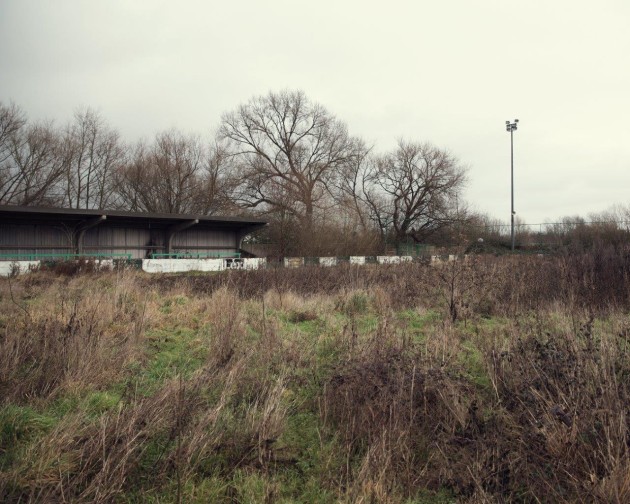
pixel 35 233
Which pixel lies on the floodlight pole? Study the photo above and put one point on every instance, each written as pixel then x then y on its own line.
pixel 511 127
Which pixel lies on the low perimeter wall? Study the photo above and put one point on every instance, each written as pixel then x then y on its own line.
pixel 182 265
pixel 17 267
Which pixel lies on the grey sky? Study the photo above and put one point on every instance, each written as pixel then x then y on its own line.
pixel 449 72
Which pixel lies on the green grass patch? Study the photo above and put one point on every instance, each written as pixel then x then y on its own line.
pixel 472 360
pixel 170 303
pixel 357 304
pixel 416 322
pixel 367 323
pixel 171 352
pixel 18 426
pixel 307 322
pixel 97 403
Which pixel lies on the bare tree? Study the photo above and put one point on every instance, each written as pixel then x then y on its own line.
pixel 176 174
pixel 92 151
pixel 217 182
pixel 288 150
pixel 353 184
pixel 359 185
pixel 12 119
pixel 414 190
pixel 30 163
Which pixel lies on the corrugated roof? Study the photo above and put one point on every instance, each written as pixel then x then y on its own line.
pixel 11 213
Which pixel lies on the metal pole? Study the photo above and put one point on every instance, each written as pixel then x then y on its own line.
pixel 512 176
pixel 511 126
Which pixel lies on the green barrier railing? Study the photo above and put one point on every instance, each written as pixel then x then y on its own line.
pixel 62 257
pixel 192 255
pixel 413 249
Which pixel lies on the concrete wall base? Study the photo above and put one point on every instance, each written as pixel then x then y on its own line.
pixel 17 267
pixel 203 265
pixel 208 265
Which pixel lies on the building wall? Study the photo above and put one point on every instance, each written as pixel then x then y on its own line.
pixel 30 239
pixel 194 239
pixel 47 239
pixel 119 241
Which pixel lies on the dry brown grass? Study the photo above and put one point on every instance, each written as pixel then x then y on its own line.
pixel 337 384
pixel 73 335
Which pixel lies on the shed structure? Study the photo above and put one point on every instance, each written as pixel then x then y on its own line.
pixel 37 232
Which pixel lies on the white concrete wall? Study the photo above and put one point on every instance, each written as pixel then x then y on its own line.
pixel 8 267
pixel 247 263
pixel 252 263
pixel 388 259
pixel 234 264
pixel 393 259
pixel 181 265
pixel 158 265
pixel 148 265
pixel 208 265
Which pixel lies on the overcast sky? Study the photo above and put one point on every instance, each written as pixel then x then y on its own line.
pixel 450 72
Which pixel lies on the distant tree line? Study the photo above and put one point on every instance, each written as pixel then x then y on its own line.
pixel 279 156
pixel 85 164
pixel 606 229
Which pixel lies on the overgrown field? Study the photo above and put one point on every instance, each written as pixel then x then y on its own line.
pixel 490 380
